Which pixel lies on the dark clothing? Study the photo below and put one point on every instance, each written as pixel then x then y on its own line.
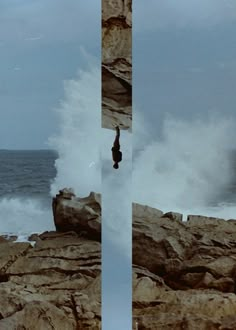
pixel 116 153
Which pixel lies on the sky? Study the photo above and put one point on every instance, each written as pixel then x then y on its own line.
pixel 184 59
pixel 42 43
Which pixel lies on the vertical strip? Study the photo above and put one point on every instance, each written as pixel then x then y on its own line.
pixel 117 64
pixel 116 182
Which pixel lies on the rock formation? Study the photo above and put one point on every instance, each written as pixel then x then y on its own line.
pixel 57 283
pixel 183 272
pixel 82 215
pixel 116 64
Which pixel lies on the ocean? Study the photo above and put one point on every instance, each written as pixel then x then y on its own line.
pixel 25 201
pixel 29 179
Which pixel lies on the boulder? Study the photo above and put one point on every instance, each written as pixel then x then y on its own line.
pixel 82 215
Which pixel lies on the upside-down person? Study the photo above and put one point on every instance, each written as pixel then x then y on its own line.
pixel 116 153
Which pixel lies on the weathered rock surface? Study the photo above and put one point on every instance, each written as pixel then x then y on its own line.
pixel 57 283
pixel 117 64
pixel 82 215
pixel 184 272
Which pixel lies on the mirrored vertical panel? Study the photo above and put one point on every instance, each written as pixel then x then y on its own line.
pixel 116 164
pixel 117 64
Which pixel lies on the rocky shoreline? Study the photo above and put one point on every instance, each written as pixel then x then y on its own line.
pixel 55 284
pixel 183 272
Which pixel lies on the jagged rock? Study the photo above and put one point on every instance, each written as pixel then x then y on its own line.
pixel 195 262
pixel 174 216
pixel 61 254
pixel 56 284
pixel 34 238
pixel 82 215
pixel 8 238
pixel 58 276
pixel 116 63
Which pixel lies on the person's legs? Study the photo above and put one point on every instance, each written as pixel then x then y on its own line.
pixel 117 130
pixel 116 143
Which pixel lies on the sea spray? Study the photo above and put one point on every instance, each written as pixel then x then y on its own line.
pixel 84 150
pixel 24 216
pixel 78 142
pixel 188 168
pixel 117 193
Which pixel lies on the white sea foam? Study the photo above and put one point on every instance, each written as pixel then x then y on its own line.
pixel 188 168
pixel 24 216
pixel 78 142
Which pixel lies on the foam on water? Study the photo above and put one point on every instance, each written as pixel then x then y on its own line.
pixel 24 216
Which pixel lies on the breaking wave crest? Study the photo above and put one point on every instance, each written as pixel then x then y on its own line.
pixel 78 165
pixel 24 216
pixel 189 169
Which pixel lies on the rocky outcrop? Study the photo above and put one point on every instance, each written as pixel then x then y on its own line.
pixel 56 283
pixel 184 272
pixel 82 215
pixel 117 64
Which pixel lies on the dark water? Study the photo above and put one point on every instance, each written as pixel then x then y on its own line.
pixel 25 201
pixel 27 173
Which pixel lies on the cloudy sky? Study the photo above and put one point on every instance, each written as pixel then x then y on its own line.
pixel 184 58
pixel 40 47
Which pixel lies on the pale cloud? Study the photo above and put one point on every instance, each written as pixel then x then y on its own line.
pixel 161 14
pixel 34 38
pixel 226 65
pixel 49 20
